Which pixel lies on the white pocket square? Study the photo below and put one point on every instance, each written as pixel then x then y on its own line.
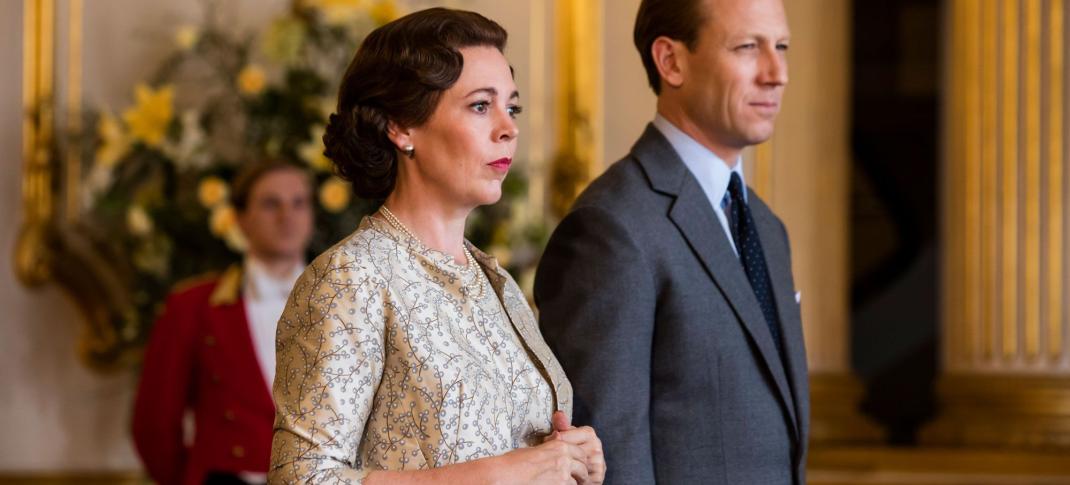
pixel 798 297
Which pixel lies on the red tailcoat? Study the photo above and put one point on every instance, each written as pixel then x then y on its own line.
pixel 201 357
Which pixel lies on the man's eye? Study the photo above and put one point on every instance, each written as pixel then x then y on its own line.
pixel 747 47
pixel 782 47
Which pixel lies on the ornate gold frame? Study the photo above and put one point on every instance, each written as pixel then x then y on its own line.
pixel 51 246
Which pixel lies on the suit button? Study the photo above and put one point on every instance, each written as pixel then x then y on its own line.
pixel 237 451
pixel 229 415
pixel 209 341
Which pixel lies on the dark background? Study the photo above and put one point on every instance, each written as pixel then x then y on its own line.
pixel 894 212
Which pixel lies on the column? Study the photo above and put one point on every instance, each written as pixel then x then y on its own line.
pixel 1006 376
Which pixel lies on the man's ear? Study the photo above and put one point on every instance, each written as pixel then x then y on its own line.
pixel 670 61
pixel 399 135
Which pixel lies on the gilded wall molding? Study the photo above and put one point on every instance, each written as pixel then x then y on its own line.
pixel 578 105
pixel 52 247
pixel 32 258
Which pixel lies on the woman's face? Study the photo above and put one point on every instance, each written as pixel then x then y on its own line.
pixel 463 151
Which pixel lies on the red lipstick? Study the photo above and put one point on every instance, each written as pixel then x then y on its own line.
pixel 502 164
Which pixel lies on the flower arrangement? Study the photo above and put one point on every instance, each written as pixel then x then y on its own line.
pixel 158 171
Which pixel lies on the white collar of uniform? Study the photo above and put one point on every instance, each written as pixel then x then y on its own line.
pixel 711 171
pixel 260 284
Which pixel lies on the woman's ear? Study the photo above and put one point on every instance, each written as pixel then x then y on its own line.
pixel 400 136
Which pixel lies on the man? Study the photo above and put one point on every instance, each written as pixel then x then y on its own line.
pixel 667 292
pixel 212 351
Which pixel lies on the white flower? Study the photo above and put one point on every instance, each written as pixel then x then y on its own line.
pixel 138 221
pixel 97 182
pixel 190 151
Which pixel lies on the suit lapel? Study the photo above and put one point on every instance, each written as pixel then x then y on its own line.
pixel 697 221
pixel 779 264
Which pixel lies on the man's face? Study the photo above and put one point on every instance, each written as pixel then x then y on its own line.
pixel 733 82
pixel 277 220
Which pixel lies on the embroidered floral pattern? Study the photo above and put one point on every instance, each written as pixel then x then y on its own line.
pixel 384 361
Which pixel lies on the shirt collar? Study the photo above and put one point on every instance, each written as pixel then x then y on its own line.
pixel 259 283
pixel 710 170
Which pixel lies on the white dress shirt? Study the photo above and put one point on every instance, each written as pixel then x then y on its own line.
pixel 712 173
pixel 265 297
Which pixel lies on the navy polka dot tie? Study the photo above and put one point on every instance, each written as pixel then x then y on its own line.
pixel 750 252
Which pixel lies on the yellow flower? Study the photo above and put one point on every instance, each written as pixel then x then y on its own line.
pixel 334 195
pixel 114 142
pixel 251 80
pixel 148 120
pixel 283 40
pixel 138 221
pixel 222 220
pixel 211 192
pixel 186 37
pixel 312 151
pixel 235 239
pixel 384 11
pixel 336 12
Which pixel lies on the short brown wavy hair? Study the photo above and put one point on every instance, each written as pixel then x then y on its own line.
pixel 676 19
pixel 398 74
pixel 252 172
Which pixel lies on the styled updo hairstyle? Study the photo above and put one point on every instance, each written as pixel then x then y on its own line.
pixel 398 74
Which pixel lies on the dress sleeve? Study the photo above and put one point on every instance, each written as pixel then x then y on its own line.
pixel 330 354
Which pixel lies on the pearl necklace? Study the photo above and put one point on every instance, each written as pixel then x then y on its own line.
pixel 471 260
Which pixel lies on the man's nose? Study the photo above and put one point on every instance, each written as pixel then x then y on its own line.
pixel 774 70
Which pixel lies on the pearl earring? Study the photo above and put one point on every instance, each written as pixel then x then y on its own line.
pixel 409 150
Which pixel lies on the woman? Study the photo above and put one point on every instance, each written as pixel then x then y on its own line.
pixel 406 355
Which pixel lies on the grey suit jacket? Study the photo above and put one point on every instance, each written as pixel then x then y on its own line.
pixel 652 316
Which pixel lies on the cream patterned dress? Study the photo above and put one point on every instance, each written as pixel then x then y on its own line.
pixel 385 361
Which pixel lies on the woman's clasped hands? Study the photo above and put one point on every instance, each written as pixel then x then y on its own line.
pixel 569 455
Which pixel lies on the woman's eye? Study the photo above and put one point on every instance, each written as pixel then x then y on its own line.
pixel 480 107
pixel 515 110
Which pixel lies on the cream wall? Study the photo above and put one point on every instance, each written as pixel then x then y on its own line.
pixel 629 103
